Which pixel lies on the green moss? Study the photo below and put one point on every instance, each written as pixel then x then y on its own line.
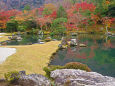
pixel 77 65
pixel 71 65
pixel 51 68
pixel 11 77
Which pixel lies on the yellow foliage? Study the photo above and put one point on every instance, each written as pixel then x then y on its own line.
pixel 2 25
pixel 50 6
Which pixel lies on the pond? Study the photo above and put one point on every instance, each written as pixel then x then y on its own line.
pixel 29 39
pixel 99 54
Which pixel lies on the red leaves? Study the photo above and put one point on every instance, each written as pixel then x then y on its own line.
pixel 54 14
pixel 40 10
pixel 43 21
pixel 84 6
pixel 5 16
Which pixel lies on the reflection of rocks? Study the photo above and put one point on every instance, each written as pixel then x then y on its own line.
pixel 71 77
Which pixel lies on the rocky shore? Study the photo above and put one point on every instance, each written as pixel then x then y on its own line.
pixel 64 77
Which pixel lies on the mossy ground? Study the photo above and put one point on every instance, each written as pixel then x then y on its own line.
pixel 31 58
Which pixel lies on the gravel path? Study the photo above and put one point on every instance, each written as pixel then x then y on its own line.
pixel 1 36
pixel 5 52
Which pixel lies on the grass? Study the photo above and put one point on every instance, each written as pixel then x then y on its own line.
pixel 31 58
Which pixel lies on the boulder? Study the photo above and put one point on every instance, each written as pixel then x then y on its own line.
pixel 82 45
pixel 72 77
pixel 31 80
pixel 62 46
pixel 48 39
pixel 73 42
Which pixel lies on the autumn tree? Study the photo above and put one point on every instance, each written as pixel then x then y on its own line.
pixel 5 16
pixel 50 7
pixel 44 22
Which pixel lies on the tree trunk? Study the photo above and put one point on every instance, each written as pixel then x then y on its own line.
pixel 106 30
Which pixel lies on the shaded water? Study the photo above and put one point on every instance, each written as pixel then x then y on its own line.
pixel 99 54
pixel 31 39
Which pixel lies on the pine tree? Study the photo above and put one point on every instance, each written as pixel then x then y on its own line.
pixel 61 13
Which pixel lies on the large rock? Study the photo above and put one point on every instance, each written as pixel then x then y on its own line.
pixel 73 42
pixel 32 80
pixel 72 77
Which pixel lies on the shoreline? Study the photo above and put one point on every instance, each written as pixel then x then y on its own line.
pixel 31 58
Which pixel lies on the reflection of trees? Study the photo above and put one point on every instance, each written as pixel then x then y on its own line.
pixel 108 43
pixel 95 55
pixel 93 44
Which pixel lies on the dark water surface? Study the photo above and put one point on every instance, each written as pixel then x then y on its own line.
pixel 31 39
pixel 99 54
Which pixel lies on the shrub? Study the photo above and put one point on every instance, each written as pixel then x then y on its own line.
pixel 77 65
pixel 71 65
pixel 11 77
pixel 12 26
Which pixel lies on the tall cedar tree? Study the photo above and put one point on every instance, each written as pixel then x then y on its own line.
pixel 61 13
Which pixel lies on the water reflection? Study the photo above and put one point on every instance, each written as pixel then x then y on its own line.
pixel 98 55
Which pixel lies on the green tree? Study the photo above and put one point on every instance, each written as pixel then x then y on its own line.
pixel 58 26
pixel 27 25
pixel 61 13
pixel 27 7
pixel 46 11
pixel 12 26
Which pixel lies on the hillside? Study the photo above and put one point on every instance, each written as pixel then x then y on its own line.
pixel 19 4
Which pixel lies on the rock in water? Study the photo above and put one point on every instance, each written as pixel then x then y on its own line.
pixel 73 42
pixel 72 77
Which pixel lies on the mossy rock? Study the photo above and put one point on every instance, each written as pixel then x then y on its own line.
pixel 12 77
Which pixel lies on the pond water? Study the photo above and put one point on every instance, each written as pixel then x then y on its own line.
pixel 30 39
pixel 99 54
